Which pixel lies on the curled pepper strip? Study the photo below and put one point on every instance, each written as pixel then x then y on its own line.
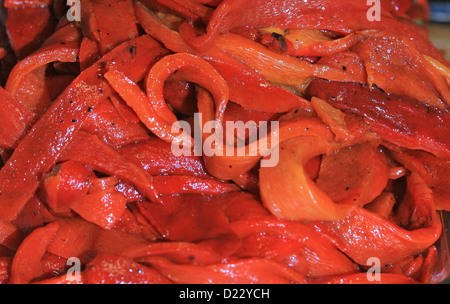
pixel 188 68
pixel 152 108
pixel 306 202
pixel 226 166
pixel 58 52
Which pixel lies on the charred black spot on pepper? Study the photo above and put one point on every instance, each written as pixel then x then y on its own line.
pixel 74 120
pixel 281 41
pixel 132 50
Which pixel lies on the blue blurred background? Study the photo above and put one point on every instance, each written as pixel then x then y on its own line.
pixel 439 26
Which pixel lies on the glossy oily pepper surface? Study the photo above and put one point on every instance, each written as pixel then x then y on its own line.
pixel 336 151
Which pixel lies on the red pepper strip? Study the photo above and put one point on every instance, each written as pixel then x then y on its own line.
pixel 79 238
pixel 65 183
pixel 248 181
pixel 291 125
pixel 124 110
pixel 63 279
pixel 113 269
pixel 53 265
pixel 178 252
pixel 74 238
pixel 382 205
pixel 204 217
pixel 276 67
pixel 26 264
pixel 89 53
pixel 358 173
pixel 106 123
pixel 35 214
pixel 128 223
pixel 15 120
pixel 188 9
pixel 366 278
pixel 59 52
pixel 210 3
pixel 53 133
pixel 96 154
pixel 291 194
pixel 10 235
pixel 168 185
pixel 318 256
pixel 250 89
pixel 247 87
pixel 156 157
pixel 249 271
pixel 410 124
pixel 140 103
pixel 429 266
pixel 116 241
pixel 384 57
pixel 5 269
pixel 315 43
pixel 435 172
pixel 419 10
pixel 100 23
pixel 332 117
pixel 153 26
pixel 318 14
pixel 22 3
pixel 101 207
pixel 347 61
pixel 398 7
pixel 445 71
pixel 241 206
pixel 65 34
pixel 37 90
pixel 28 27
pixel 188 68
pixel 365 234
